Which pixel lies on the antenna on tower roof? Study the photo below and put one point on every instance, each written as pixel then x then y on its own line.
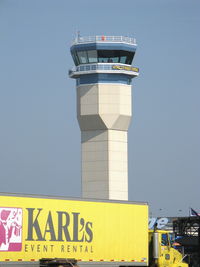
pixel 78 36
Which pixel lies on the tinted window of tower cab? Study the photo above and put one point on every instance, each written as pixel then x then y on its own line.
pixel 103 56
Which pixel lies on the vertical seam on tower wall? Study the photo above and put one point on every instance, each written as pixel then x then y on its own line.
pixel 108 163
pixel 78 96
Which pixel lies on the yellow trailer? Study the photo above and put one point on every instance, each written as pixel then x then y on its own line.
pixel 107 232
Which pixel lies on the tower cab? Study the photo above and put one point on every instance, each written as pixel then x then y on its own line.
pixel 103 58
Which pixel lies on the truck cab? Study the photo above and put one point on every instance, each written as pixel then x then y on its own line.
pixel 161 251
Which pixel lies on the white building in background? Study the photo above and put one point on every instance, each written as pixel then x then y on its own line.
pixel 103 74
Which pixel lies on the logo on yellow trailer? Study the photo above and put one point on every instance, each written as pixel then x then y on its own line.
pixel 60 227
pixel 10 229
pixel 46 229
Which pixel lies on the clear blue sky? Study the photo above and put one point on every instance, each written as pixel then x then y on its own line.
pixel 39 133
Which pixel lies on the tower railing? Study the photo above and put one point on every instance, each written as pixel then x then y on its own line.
pixel 104 67
pixel 102 38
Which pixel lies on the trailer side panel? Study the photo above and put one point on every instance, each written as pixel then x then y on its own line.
pixel 33 228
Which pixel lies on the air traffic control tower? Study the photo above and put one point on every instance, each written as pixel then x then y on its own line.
pixel 103 74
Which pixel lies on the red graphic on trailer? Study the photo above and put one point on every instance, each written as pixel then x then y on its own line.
pixel 10 229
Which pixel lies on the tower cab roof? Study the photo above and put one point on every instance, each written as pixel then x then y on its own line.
pixel 104 43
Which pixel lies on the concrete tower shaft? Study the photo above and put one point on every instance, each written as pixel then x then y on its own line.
pixel 104 94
